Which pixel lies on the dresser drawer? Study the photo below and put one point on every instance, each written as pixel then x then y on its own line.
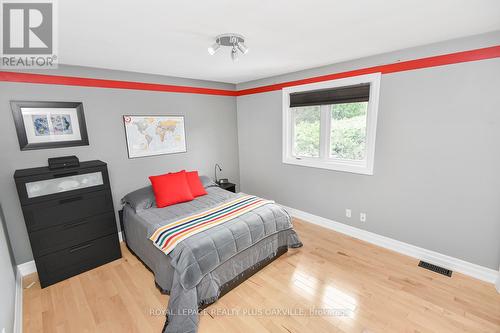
pixel 60 184
pixel 56 238
pixel 63 264
pixel 73 208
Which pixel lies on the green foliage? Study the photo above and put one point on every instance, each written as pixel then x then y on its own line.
pixel 307 139
pixel 348 138
pixel 307 131
pixel 349 110
pixel 308 114
pixel 348 131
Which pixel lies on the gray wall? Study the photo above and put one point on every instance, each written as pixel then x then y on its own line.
pixel 436 183
pixel 7 281
pixel 210 132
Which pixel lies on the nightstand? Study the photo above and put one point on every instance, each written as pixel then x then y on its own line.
pixel 228 187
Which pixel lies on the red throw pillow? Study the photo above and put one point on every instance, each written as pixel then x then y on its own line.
pixel 195 184
pixel 171 188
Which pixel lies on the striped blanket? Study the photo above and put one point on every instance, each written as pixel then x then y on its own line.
pixel 168 236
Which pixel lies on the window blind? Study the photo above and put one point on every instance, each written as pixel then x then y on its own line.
pixel 348 94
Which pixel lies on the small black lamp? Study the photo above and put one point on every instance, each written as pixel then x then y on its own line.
pixel 217 166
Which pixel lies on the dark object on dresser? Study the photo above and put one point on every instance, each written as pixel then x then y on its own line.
pixel 70 219
pixel 228 186
pixel 63 162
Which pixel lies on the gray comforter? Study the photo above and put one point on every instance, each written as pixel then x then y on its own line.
pixel 263 231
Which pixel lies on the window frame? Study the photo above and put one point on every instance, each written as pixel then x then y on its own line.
pixel 324 161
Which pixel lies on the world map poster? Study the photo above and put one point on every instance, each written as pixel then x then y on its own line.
pixel 154 135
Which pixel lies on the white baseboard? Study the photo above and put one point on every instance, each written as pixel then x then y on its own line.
pixel 27 268
pixel 18 310
pixel 479 272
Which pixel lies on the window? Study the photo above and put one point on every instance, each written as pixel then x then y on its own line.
pixel 332 124
pixel 306 129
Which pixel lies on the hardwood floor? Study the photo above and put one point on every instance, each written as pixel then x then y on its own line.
pixel 379 291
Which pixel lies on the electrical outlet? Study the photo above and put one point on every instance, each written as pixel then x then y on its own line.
pixel 362 217
pixel 348 213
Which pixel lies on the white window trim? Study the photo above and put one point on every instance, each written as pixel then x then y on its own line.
pixel 362 167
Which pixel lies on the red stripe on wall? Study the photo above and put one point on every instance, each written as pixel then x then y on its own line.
pixel 446 59
pixel 440 60
pixel 115 84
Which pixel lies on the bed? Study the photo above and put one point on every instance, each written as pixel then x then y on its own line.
pixel 209 264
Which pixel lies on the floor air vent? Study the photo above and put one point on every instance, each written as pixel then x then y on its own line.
pixel 435 268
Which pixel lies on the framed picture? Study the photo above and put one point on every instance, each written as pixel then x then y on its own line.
pixel 42 125
pixel 154 135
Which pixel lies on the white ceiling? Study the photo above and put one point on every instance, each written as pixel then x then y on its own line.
pixel 171 37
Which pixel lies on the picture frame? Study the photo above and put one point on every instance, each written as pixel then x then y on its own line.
pixel 152 135
pixel 44 125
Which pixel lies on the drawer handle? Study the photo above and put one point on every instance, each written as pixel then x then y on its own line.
pixel 63 201
pixel 65 174
pixel 75 224
pixel 81 247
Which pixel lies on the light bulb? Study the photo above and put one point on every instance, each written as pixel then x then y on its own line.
pixel 242 47
pixel 234 54
pixel 213 49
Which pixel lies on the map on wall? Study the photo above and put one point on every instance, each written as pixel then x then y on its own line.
pixel 154 135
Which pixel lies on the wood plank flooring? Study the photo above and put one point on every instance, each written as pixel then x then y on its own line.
pixel 373 290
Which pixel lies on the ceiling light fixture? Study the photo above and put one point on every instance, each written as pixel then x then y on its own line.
pixel 235 41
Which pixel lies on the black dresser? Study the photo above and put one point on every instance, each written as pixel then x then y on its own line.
pixel 70 219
